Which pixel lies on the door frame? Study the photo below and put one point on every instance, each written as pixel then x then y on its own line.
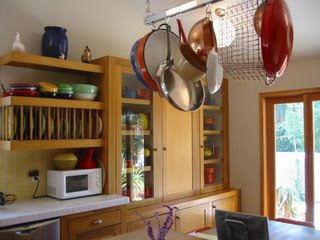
pixel 267 154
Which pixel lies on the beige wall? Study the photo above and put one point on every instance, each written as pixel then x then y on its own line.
pixel 244 126
pixel 107 27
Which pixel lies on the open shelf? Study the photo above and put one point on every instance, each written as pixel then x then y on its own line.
pixel 210 161
pixel 212 132
pixel 134 101
pixel 135 132
pixel 144 169
pixel 49 102
pixel 27 60
pixel 50 144
pixel 209 107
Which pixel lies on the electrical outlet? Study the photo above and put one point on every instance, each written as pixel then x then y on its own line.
pixel 33 174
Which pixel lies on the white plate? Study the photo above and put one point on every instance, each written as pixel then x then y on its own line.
pixel 84 96
pixel 214 72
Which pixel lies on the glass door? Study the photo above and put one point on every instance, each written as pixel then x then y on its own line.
pixel 138 148
pixel 213 141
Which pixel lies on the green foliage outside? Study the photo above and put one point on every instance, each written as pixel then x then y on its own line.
pixel 290 127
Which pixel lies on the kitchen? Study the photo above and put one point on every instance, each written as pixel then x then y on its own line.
pixel 111 29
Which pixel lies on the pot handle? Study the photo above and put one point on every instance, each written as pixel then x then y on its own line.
pixel 168 42
pixel 182 34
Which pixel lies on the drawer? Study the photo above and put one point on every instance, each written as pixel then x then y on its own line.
pixel 92 222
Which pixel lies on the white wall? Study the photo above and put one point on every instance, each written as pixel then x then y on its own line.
pixel 244 126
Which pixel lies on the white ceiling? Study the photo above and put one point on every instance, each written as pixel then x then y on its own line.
pixel 305 16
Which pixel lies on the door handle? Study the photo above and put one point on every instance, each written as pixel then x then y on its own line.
pixel 26 232
pixel 96 222
pixel 155 149
pixel 165 149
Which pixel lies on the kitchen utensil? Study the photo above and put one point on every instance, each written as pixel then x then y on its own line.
pixel 129 93
pixel 84 89
pixel 155 50
pixel 257 18
pixel 84 96
pixel 145 94
pixel 214 72
pixel 87 161
pixel 189 54
pixel 65 88
pixel 65 161
pixel 202 37
pixel 64 95
pixel 276 39
pixel 47 87
pixel 23 86
pixel 142 64
pixel 144 121
pixel 134 63
pixel 180 92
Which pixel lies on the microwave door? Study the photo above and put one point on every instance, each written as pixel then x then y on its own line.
pixel 77 186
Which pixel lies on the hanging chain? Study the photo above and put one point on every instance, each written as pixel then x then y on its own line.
pixel 148 12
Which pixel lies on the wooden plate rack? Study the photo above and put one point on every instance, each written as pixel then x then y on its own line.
pixel 28 123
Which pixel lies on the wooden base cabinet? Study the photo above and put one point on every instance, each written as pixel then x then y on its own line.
pixel 92 225
pixel 193 212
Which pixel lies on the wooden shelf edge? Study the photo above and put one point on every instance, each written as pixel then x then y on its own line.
pixel 211 188
pixel 209 107
pixel 49 102
pixel 50 144
pixel 28 60
pixel 144 169
pixel 215 160
pixel 212 132
pixel 136 101
pixel 135 133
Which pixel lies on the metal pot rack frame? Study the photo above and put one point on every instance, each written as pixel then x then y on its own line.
pixel 242 59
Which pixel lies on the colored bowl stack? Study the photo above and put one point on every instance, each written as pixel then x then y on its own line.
pixel 22 89
pixel 84 91
pixel 65 91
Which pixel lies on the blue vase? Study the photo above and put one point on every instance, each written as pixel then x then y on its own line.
pixel 55 42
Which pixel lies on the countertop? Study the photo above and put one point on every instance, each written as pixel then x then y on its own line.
pixel 141 234
pixel 30 210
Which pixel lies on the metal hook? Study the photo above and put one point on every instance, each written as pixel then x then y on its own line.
pixel 167 20
pixel 208 11
pixel 179 15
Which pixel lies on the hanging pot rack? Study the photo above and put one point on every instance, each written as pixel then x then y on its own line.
pixel 186 7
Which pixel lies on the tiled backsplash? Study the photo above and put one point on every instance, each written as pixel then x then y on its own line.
pixel 14 167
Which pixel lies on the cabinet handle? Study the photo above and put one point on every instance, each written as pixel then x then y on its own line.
pixel 201 146
pixel 155 149
pixel 165 149
pixel 96 222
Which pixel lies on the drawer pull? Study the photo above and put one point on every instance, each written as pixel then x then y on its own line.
pixel 96 222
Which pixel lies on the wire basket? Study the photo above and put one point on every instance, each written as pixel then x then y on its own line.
pixel 239 44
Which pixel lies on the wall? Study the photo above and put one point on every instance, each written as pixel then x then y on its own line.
pixel 107 27
pixel 244 126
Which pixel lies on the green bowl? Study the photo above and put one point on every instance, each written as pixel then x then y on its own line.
pixel 84 88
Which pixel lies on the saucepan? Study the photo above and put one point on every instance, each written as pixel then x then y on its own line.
pixel 182 93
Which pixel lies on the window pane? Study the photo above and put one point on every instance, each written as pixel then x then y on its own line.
pixel 290 161
pixel 316 120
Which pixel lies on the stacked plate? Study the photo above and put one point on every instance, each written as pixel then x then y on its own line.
pixel 22 89
pixel 48 90
pixel 84 91
pixel 65 91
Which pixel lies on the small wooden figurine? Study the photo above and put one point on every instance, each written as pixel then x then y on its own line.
pixel 17 45
pixel 86 55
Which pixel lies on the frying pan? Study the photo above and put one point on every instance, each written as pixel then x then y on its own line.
pixel 181 93
pixel 214 72
pixel 276 38
pixel 134 64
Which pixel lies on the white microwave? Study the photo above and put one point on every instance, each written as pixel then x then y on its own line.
pixel 74 183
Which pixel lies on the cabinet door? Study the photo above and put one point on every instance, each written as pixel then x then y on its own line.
pixel 132 226
pixel 177 153
pixel 137 139
pixel 192 218
pixel 227 204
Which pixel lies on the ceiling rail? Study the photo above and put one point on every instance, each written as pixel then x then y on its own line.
pixel 186 7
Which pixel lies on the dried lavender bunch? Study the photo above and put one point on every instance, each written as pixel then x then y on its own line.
pixel 162 228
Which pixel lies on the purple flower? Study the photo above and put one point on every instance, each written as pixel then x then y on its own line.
pixel 162 230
